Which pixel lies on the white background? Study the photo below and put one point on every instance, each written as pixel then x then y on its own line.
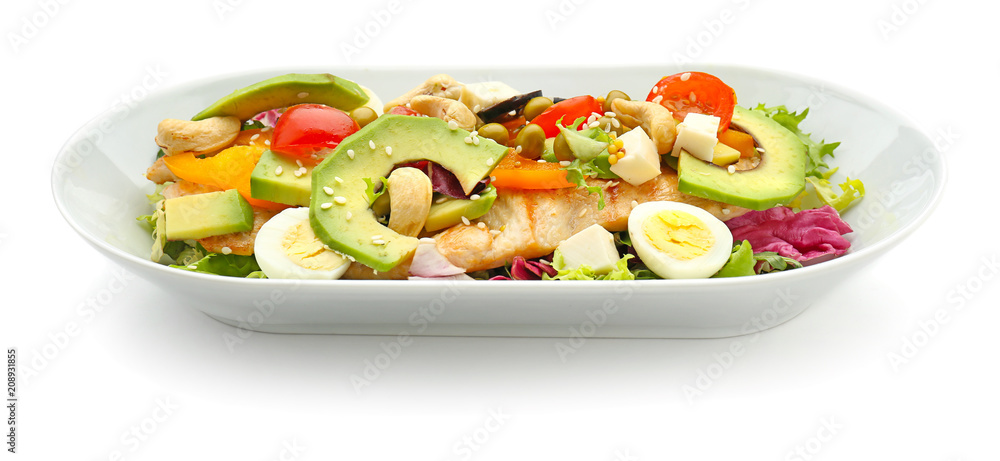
pixel 822 384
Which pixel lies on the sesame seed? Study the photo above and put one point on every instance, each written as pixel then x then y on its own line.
pixel 348 216
pixel 725 211
pixel 594 124
pixel 474 133
pixel 493 178
pixel 427 240
pixel 298 173
pixel 267 142
pixel 541 161
pixel 468 139
pixel 328 190
pixel 657 99
pixel 298 162
pixel 564 163
pixel 340 200
pixel 634 203
pixel 337 178
pixel 616 123
pixel 326 206
pixel 192 267
pixel 441 200
pixel 452 125
pixel 608 127
pixel 265 129
pixel 226 250
pixel 612 183
pixel 350 154
pixel 685 76
pixel 376 237
pixel 474 197
pixel 388 150
pixel 512 113
pixel 327 247
pixel 465 221
pixel 760 149
pixel 732 169
pixel 277 171
pixel 476 108
pixel 303 95
pixel 489 160
pixel 582 212
pixel 656 89
pixel 481 225
pixel 378 242
pixel 475 140
pixel 610 114
pixel 371 144
pixel 693 97
pixel 494 232
pixel 254 137
pixel 517 150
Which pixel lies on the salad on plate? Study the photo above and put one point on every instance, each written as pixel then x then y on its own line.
pixel 311 176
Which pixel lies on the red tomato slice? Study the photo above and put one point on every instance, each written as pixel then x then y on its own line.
pixel 305 129
pixel 698 93
pixel 403 110
pixel 567 110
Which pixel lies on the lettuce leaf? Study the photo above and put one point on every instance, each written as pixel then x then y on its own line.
pixel 577 172
pixel 370 190
pixel 741 262
pixel 819 192
pixel 773 262
pixel 585 272
pixel 228 265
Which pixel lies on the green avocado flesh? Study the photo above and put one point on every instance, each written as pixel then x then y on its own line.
pixel 286 187
pixel 287 90
pixel 204 215
pixel 450 212
pixel 411 139
pixel 777 180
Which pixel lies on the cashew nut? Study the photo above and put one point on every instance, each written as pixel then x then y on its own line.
pixel 204 136
pixel 410 194
pixel 445 109
pixel 441 85
pixel 655 120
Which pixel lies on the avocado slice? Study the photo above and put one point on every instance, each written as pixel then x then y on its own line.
pixel 777 180
pixel 286 187
pixel 287 90
pixel 450 212
pixel 204 215
pixel 348 224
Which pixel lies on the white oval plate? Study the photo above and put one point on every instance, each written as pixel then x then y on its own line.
pixel 99 187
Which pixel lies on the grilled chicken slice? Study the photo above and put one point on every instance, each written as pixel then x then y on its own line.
pixel 533 223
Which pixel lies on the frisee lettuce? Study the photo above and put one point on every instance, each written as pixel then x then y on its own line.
pixel 819 188
pixel 370 190
pixel 585 272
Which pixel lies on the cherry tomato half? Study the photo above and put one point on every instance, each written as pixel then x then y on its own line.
pixel 567 110
pixel 306 129
pixel 698 93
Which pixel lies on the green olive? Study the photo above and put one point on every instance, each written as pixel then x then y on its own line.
pixel 561 148
pixel 496 132
pixel 611 124
pixel 610 98
pixel 536 106
pixel 531 138
pixel 363 115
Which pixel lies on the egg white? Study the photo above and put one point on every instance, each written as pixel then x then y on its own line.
pixel 662 263
pixel 273 260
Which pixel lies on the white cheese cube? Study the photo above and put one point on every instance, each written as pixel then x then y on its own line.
pixel 593 247
pixel 485 94
pixel 641 162
pixel 697 134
